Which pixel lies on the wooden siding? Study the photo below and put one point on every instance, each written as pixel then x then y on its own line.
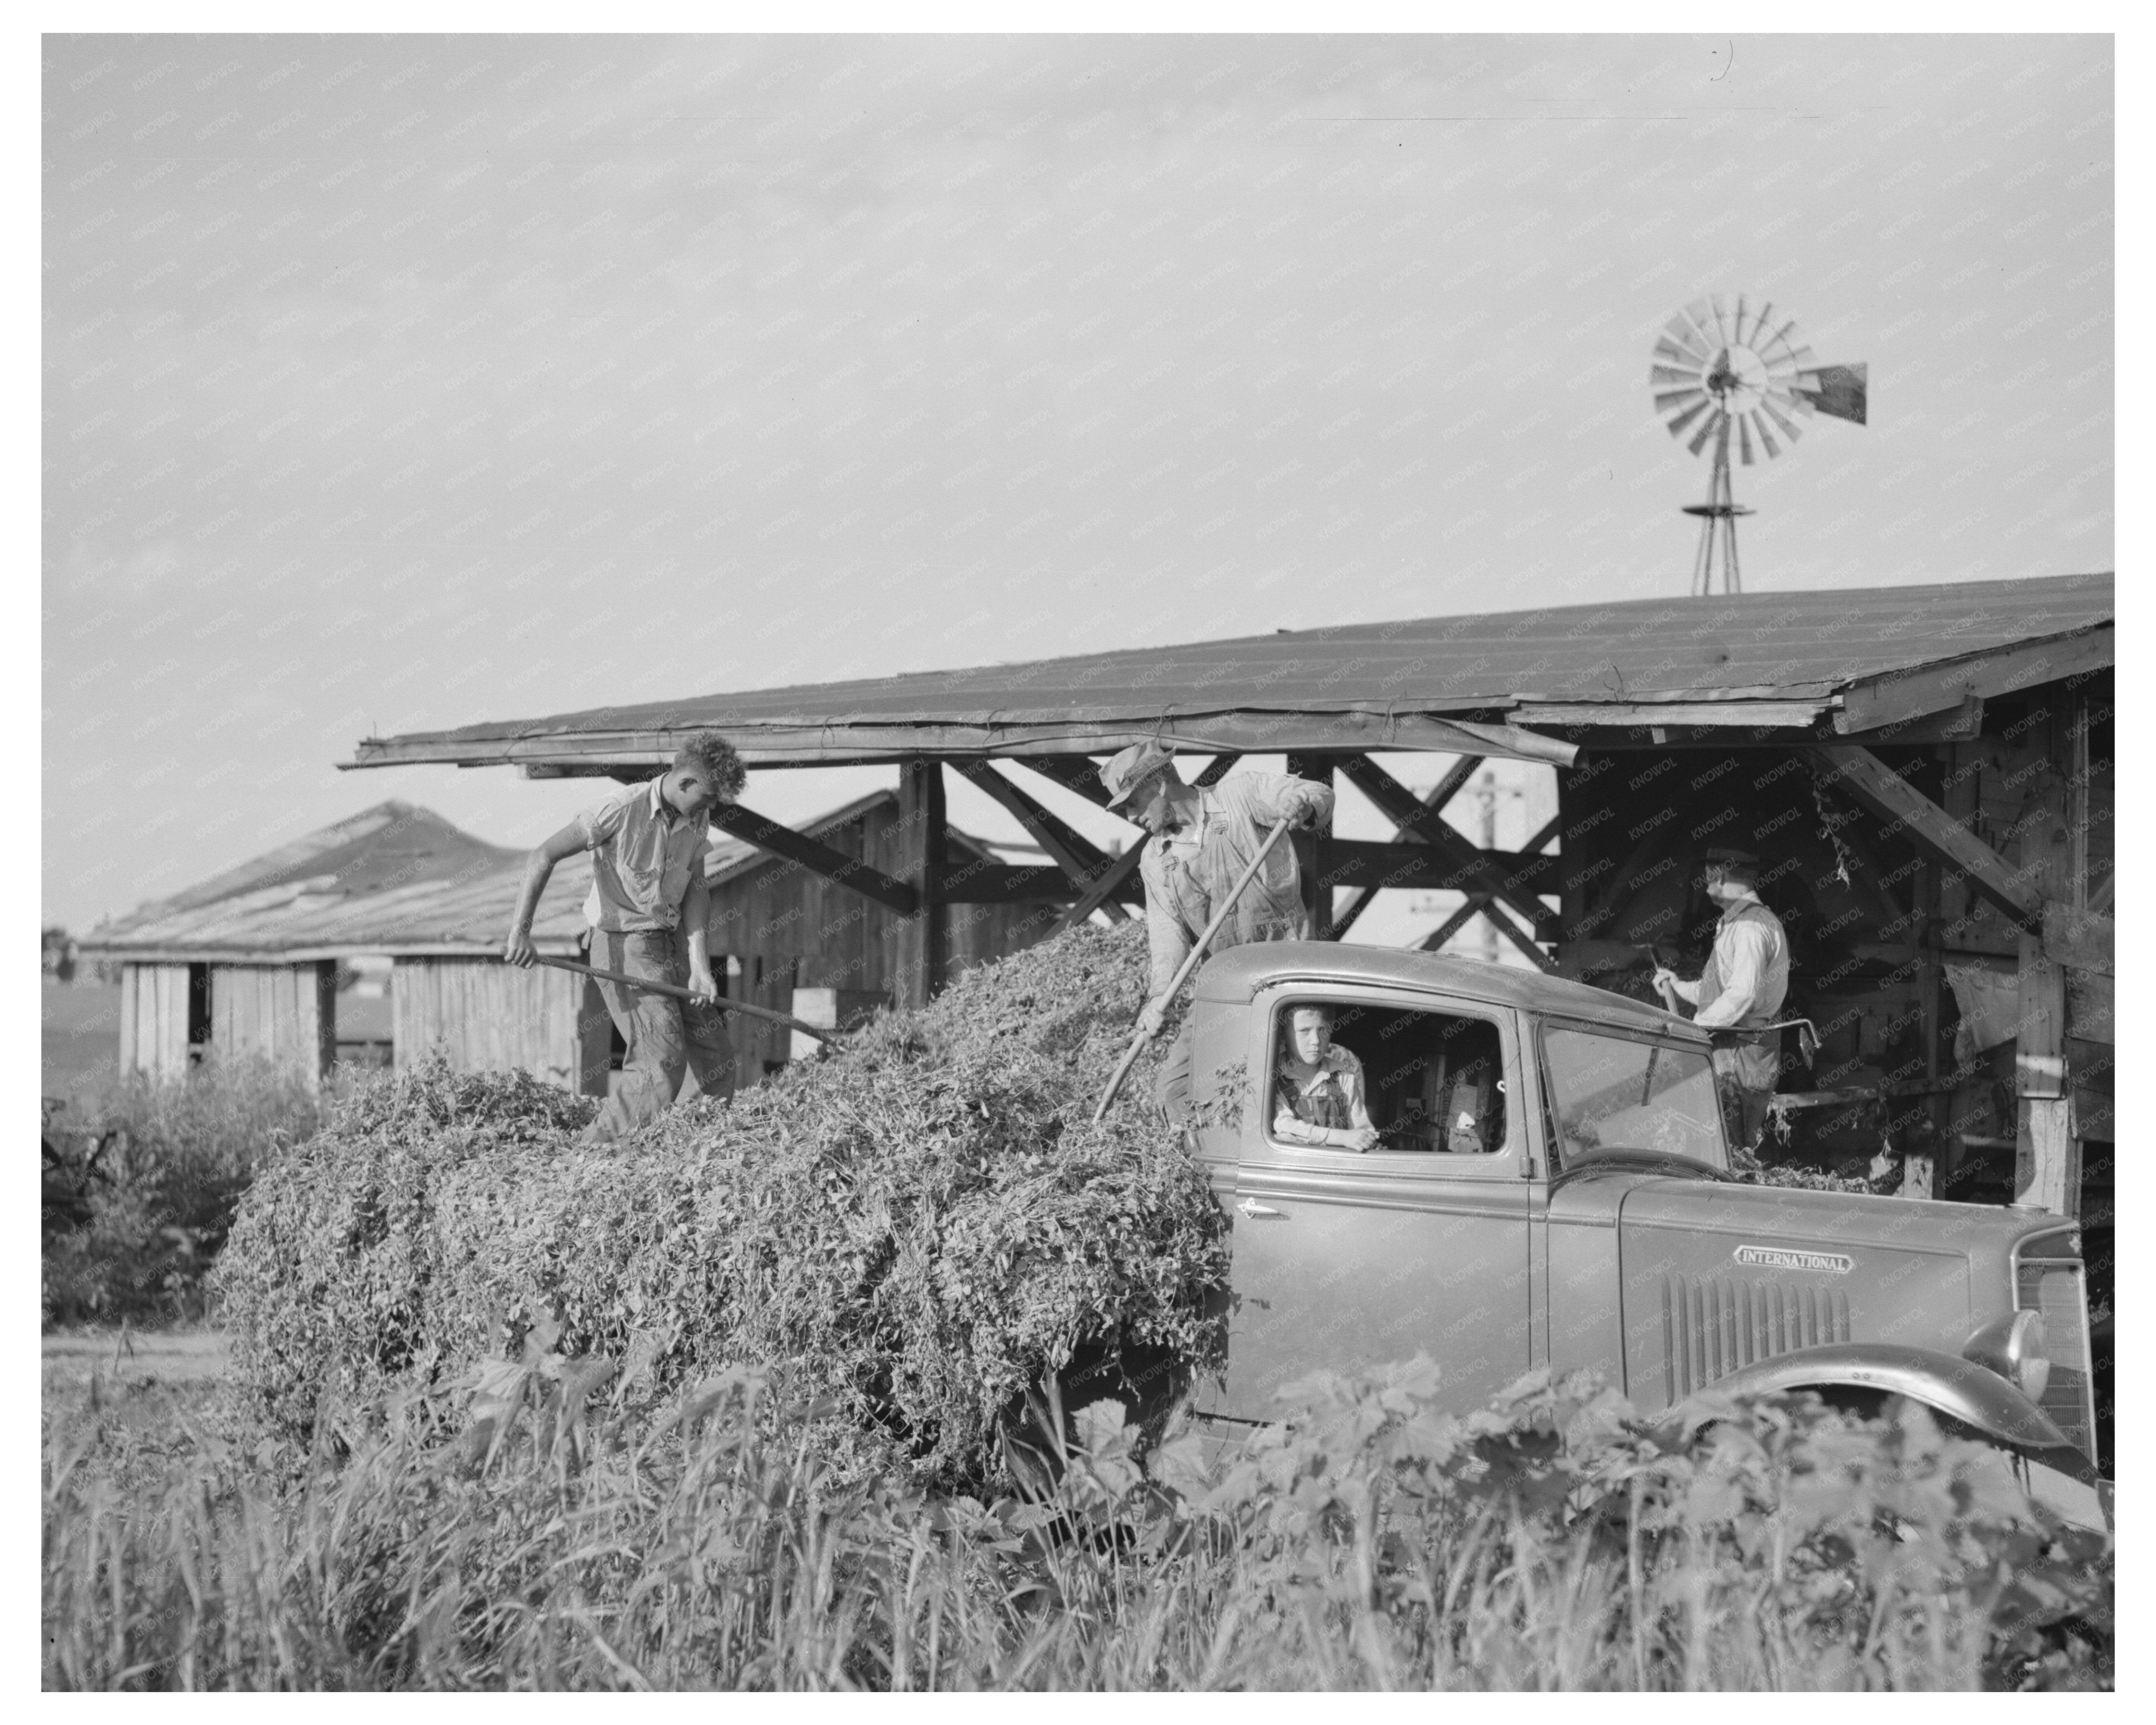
pixel 285 1013
pixel 485 1016
pixel 153 1020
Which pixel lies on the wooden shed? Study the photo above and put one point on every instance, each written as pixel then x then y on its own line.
pixel 249 962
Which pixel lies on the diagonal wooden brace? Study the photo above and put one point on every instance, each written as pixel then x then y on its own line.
pixel 1907 810
pixel 818 858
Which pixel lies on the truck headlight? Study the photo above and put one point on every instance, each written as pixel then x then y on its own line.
pixel 2013 1346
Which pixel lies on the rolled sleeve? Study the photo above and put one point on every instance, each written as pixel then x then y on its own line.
pixel 600 822
pixel 1276 796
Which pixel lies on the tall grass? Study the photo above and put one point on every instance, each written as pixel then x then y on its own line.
pixel 162 1164
pixel 1555 1541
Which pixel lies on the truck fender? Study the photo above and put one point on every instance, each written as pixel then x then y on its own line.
pixel 1969 1394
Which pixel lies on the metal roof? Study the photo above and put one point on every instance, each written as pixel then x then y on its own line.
pixel 1479 684
pixel 396 879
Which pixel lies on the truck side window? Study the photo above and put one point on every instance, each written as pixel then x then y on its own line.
pixel 1612 1093
pixel 1428 1081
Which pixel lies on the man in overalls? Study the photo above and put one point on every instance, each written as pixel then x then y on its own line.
pixel 1202 839
pixel 1743 988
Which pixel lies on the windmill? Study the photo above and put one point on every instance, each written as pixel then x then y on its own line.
pixel 1717 370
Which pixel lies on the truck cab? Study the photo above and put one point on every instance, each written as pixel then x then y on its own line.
pixel 1551 1186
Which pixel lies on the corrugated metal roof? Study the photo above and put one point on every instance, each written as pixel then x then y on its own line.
pixel 397 879
pixel 1410 684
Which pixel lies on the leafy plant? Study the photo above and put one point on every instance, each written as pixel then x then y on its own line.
pixel 155 1168
pixel 918 1226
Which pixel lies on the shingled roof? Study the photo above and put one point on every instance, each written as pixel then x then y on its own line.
pixel 1841 660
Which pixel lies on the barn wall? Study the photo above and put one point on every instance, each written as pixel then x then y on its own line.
pixel 485 1016
pixel 792 928
pixel 284 1012
pixel 153 1020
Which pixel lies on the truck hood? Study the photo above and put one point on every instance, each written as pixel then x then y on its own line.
pixel 1716 1277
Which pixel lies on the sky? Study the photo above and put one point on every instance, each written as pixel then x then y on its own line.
pixel 397 383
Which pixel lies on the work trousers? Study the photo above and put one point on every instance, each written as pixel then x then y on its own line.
pixel 667 1038
pixel 1745 1073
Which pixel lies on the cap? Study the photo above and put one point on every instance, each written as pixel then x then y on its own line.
pixel 1725 859
pixel 1128 770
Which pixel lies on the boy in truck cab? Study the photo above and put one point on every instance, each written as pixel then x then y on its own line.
pixel 1318 1096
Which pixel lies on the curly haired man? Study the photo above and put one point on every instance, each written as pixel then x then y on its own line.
pixel 649 913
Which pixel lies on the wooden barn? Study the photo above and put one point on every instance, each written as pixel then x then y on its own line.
pixel 1925 772
pixel 249 963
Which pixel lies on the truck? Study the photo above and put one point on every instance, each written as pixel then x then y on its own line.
pixel 1552 1186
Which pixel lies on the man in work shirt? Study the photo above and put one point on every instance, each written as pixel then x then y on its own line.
pixel 1745 982
pixel 649 911
pixel 1202 839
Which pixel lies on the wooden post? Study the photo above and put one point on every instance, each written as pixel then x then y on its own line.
pixel 325 1017
pixel 2047 1157
pixel 1310 849
pixel 924 936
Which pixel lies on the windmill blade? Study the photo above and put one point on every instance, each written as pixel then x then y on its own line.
pixel 1744 439
pixel 1670 399
pixel 1687 375
pixel 1766 437
pixel 1757 340
pixel 1838 391
pixel 1679 343
pixel 1685 419
pixel 1716 419
pixel 1788 427
pixel 1721 319
pixel 1701 317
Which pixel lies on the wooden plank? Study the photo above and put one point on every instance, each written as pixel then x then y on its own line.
pixel 2079 940
pixel 131 995
pixel 994 883
pixel 1907 810
pixel 1957 724
pixel 1934 688
pixel 848 871
pixel 1774 715
pixel 2090 1005
pixel 1076 855
pixel 923 836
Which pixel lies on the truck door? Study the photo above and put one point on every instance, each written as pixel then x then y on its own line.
pixel 1344 1258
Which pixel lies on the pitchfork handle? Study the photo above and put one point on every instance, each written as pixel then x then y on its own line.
pixel 1139 1039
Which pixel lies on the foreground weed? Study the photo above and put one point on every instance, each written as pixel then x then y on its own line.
pixel 1555 1541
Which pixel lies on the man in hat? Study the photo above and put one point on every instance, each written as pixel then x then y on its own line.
pixel 1743 988
pixel 1202 839
pixel 649 911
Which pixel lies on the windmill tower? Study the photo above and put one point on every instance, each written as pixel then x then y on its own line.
pixel 1717 370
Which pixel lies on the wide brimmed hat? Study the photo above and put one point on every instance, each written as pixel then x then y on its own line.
pixel 1128 771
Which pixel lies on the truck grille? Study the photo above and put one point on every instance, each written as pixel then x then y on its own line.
pixel 2055 1287
pixel 1711 1327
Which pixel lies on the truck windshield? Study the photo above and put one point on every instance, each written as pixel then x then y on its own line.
pixel 1612 1093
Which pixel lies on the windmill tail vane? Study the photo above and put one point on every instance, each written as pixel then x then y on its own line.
pixel 1739 374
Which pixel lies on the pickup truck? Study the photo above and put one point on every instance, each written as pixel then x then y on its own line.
pixel 1551 1186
